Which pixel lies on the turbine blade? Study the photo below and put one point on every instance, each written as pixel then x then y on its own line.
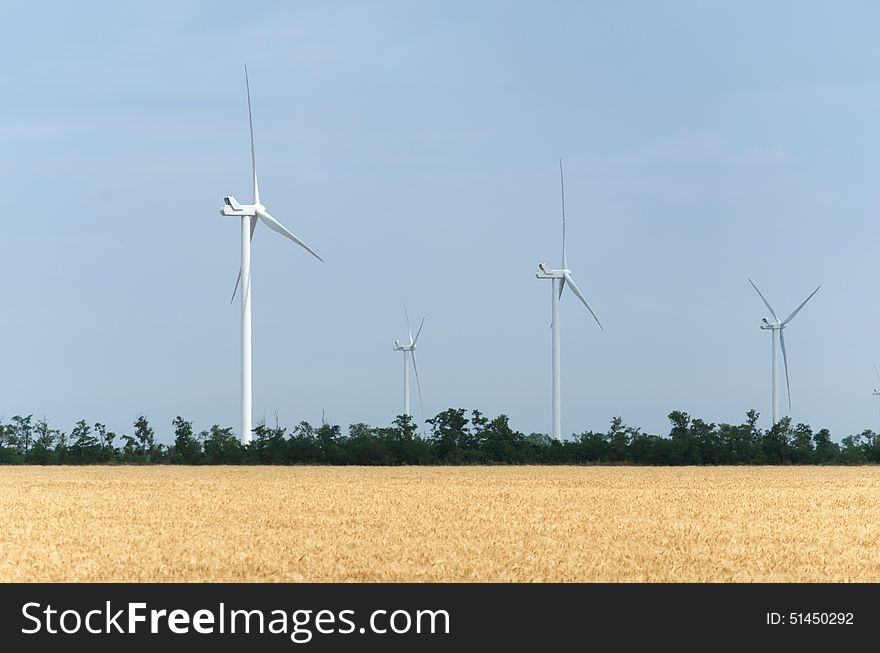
pixel 797 310
pixel 418 383
pixel 785 363
pixel 577 292
pixel 876 371
pixel 274 225
pixel 419 331
pixel 238 279
pixel 251 124
pixel 561 288
pixel 564 255
pixel 408 329
pixel 766 303
pixel 235 290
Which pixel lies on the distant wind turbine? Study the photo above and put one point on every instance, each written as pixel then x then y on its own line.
pixel 776 327
pixel 561 279
pixel 410 349
pixel 249 214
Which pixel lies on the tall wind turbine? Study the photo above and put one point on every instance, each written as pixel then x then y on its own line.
pixel 776 327
pixel 410 349
pixel 561 279
pixel 249 214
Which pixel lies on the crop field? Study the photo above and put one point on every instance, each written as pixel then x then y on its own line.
pixel 439 524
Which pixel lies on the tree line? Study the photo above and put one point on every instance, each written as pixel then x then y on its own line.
pixel 453 437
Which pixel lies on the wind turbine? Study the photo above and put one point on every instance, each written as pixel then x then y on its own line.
pixel 249 214
pixel 561 279
pixel 411 349
pixel 776 327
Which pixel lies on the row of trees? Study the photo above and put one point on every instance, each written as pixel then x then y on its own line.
pixel 454 437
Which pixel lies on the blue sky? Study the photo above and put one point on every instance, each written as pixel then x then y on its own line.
pixel 415 147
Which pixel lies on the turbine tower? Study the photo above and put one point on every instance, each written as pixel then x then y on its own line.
pixel 776 327
pixel 249 214
pixel 410 349
pixel 561 279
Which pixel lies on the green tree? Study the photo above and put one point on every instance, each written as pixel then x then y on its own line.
pixel 777 442
pixel 22 434
pixel 222 447
pixel 853 448
pixel 685 451
pixel 330 440
pixel 145 441
pixel 269 445
pixel 43 453
pixel 84 446
pixel 618 440
pixel 186 449
pixel 592 448
pixel 105 442
pixel 303 446
pixel 365 447
pixel 501 444
pixel 450 435
pixel 825 451
pixel 802 444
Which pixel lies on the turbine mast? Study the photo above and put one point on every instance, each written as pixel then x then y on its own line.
pixel 246 376
pixel 405 383
pixel 557 362
pixel 775 396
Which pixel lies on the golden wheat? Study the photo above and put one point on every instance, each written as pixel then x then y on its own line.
pixel 439 524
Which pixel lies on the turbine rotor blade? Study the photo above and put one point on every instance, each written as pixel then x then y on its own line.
pixel 419 331
pixel 251 124
pixel 797 310
pixel 274 225
pixel 418 383
pixel 785 363
pixel 766 303
pixel 564 254
pixel 876 371
pixel 577 292
pixel 408 329
pixel 238 279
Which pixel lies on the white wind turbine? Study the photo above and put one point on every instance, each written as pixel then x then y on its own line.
pixel 561 279
pixel 249 214
pixel 775 327
pixel 409 349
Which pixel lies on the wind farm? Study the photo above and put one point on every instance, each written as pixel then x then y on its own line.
pixel 651 169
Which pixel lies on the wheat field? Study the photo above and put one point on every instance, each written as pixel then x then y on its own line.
pixel 504 524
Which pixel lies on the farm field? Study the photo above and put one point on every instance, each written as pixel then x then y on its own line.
pixel 327 524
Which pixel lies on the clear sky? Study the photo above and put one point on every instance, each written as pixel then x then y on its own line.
pixel 415 147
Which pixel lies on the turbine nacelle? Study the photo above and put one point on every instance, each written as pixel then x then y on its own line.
pixel 771 325
pixel 232 207
pixel 545 272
